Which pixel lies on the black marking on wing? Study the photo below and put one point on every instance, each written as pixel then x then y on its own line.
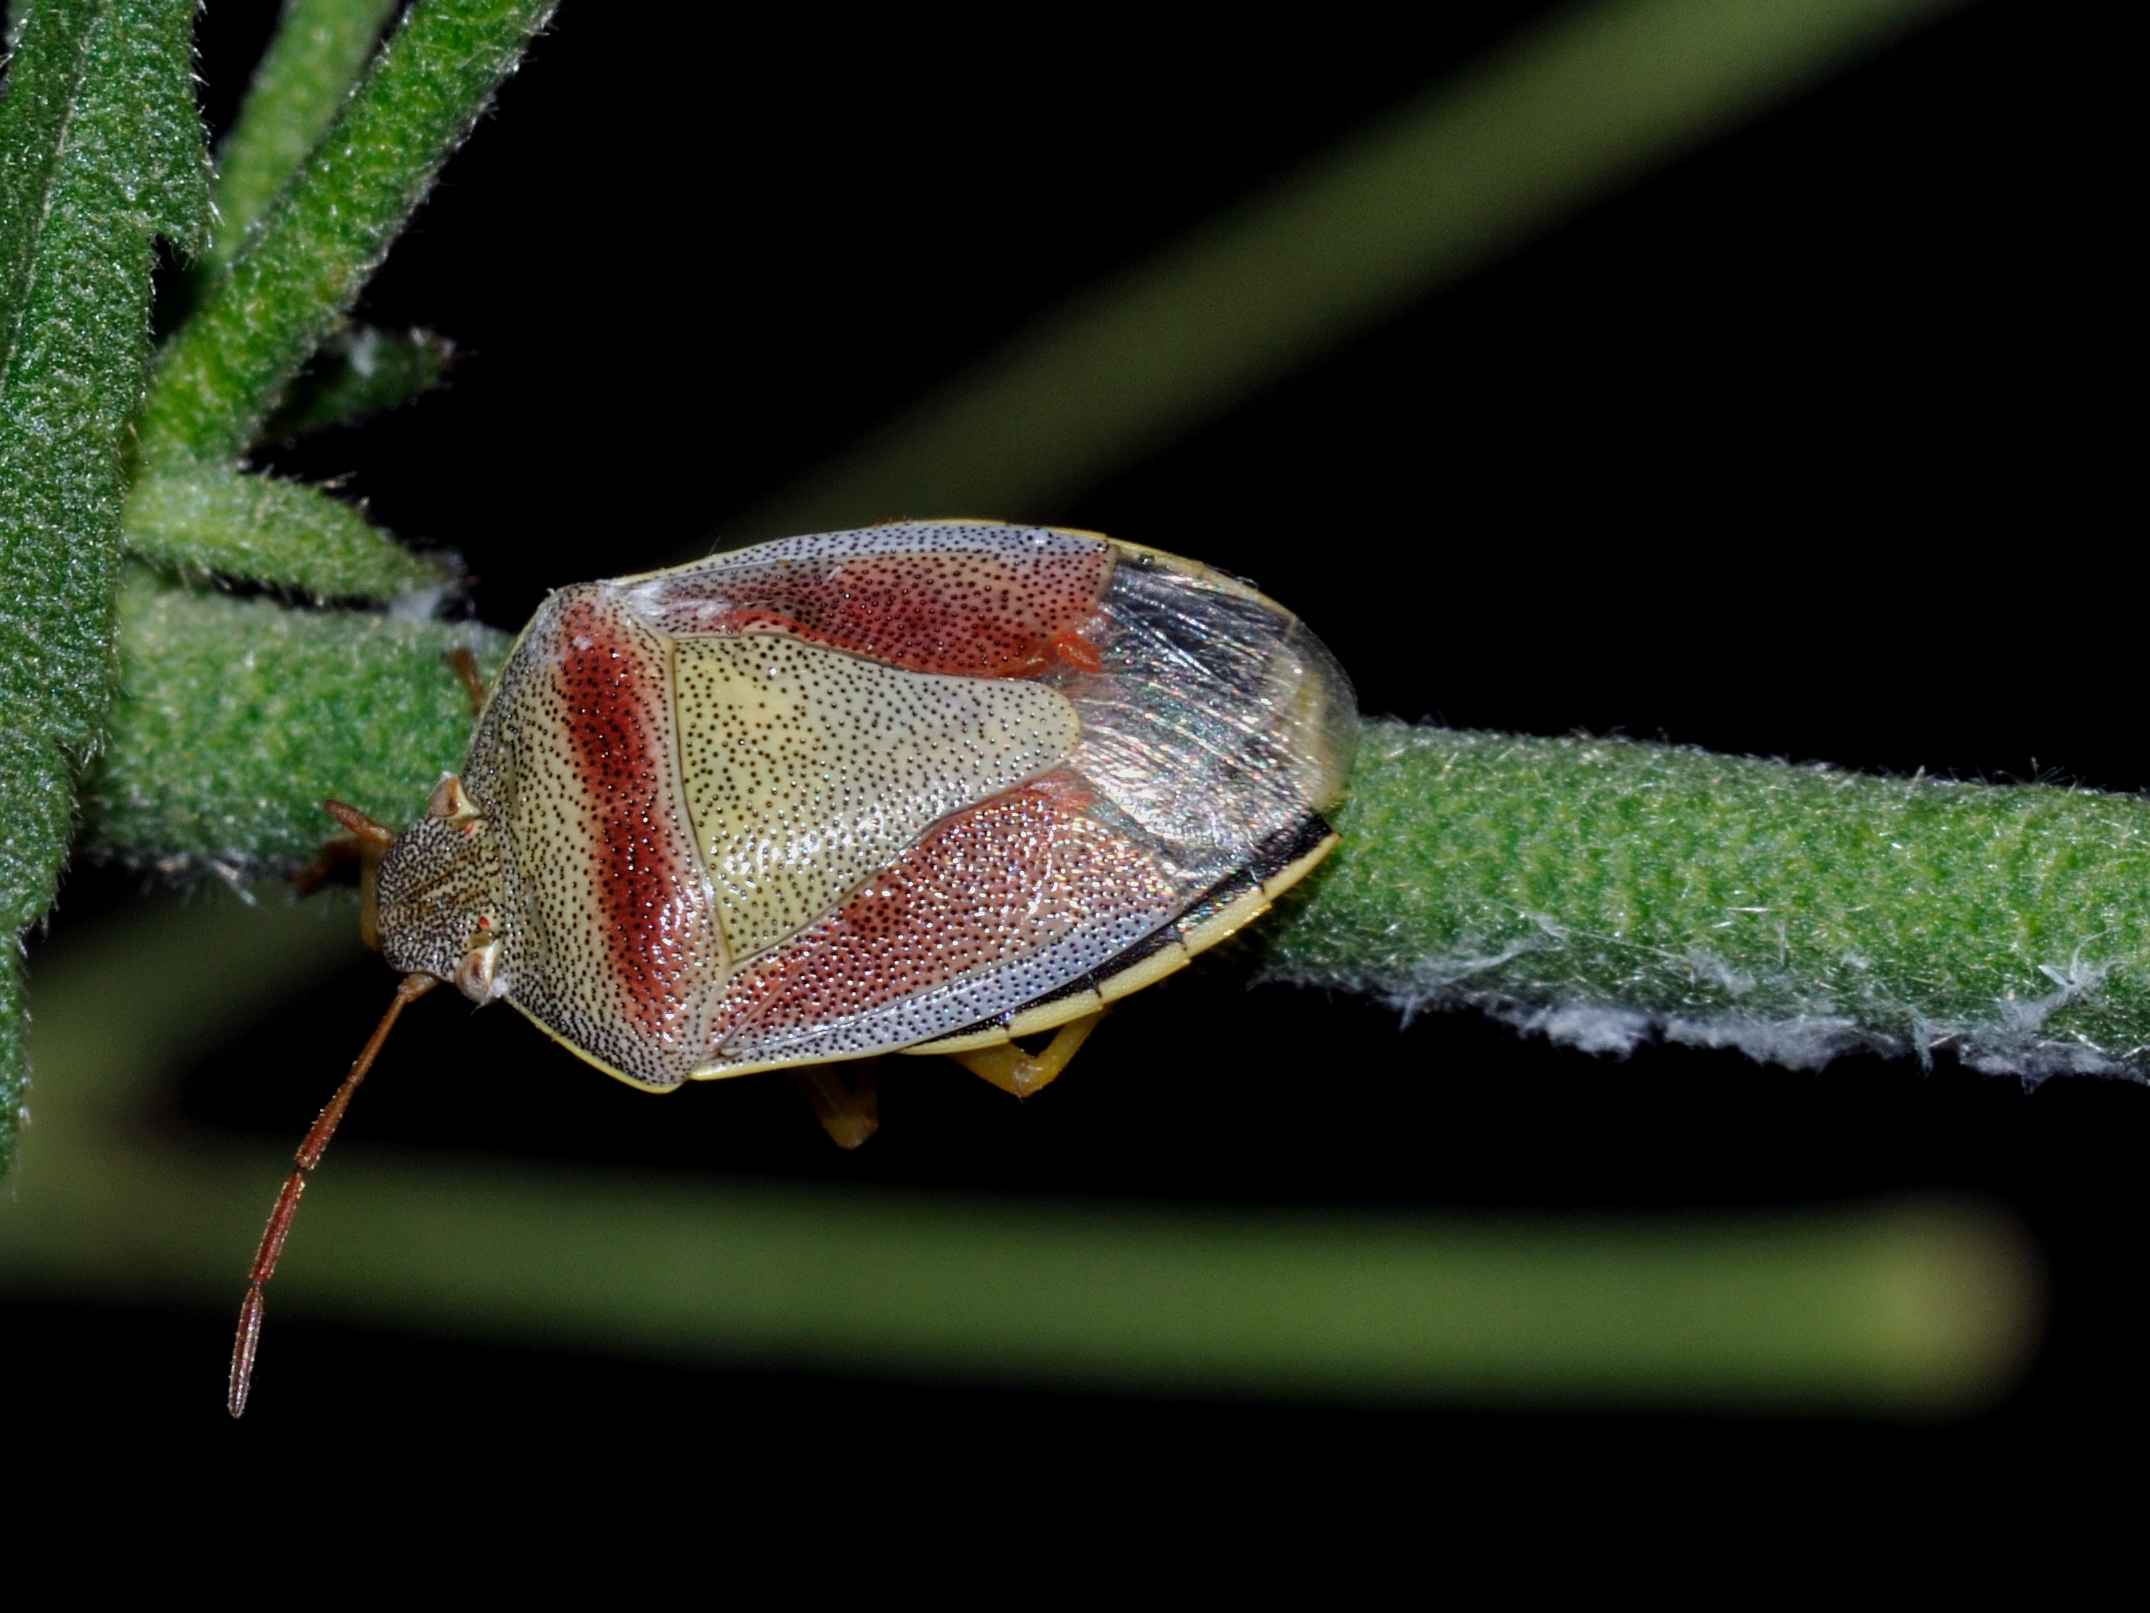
pixel 1287 846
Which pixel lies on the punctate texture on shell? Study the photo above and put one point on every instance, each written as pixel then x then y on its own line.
pixel 924 784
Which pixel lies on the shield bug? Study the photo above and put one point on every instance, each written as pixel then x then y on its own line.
pixel 921 787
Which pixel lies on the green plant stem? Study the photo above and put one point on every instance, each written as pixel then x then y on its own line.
pixel 100 154
pixel 225 369
pixel 199 520
pixel 99 110
pixel 1575 108
pixel 360 372
pixel 1601 891
pixel 1915 1308
pixel 236 718
pixel 1596 890
pixel 310 65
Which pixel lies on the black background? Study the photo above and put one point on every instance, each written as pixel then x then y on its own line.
pixel 1794 447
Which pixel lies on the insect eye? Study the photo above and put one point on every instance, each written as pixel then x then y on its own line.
pixel 475 974
pixel 450 802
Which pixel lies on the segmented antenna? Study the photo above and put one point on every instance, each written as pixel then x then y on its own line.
pixel 412 987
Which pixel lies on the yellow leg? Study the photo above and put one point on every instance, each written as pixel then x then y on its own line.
pixel 846 1099
pixel 1012 1070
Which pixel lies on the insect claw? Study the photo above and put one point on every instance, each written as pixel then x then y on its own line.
pixel 847 1103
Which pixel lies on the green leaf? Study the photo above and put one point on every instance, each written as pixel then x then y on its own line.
pixel 304 76
pixel 203 519
pixel 100 153
pixel 38 795
pixel 228 366
pixel 236 717
pixel 360 372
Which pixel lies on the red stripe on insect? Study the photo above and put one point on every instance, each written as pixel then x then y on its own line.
pixel 982 889
pixel 655 917
pixel 966 615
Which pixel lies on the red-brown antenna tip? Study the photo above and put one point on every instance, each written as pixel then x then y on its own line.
pixel 243 1350
pixel 248 1341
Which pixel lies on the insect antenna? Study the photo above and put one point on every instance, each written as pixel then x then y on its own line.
pixel 412 987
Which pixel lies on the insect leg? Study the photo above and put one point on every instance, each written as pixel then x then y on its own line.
pixel 846 1099
pixel 465 667
pixel 337 853
pixel 1012 1070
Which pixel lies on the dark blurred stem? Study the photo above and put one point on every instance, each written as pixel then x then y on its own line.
pixel 1572 110
pixel 1911 1308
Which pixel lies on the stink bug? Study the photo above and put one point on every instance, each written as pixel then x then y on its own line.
pixel 921 788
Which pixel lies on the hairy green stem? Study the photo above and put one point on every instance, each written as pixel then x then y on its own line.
pixel 235 718
pixel 225 370
pixel 1596 890
pixel 100 154
pixel 199 520
pixel 1601 891
pixel 360 372
pixel 308 69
